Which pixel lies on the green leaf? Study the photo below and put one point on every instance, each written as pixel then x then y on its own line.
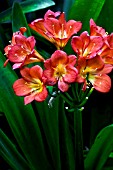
pixel 33 5
pixel 67 5
pixel 100 150
pixel 83 10
pixel 9 152
pixel 27 6
pixel 20 17
pixel 22 121
pixel 105 18
pixel 65 138
pixel 48 116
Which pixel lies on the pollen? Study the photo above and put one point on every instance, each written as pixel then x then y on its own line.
pixel 60 71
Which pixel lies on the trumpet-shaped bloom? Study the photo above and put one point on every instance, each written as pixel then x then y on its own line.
pixel 60 69
pixel 31 85
pixel 86 46
pixel 57 31
pixel 106 51
pixel 21 51
pixel 97 30
pixel 94 71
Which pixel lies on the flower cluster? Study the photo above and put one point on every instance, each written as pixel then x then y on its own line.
pixel 92 61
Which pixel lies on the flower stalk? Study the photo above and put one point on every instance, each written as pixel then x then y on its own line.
pixel 78 139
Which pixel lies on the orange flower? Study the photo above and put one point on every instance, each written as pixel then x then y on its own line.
pixel 94 71
pixel 21 51
pixel 31 85
pixel 57 31
pixel 97 30
pixel 86 46
pixel 60 68
pixel 107 50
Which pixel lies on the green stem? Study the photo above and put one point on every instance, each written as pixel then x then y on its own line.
pixel 75 91
pixel 66 99
pixel 86 98
pixel 78 136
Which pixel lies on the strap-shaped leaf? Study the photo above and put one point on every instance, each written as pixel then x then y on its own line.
pixel 48 116
pixel 83 10
pixel 105 18
pixel 18 19
pixel 22 120
pixel 27 6
pixel 9 152
pixel 65 138
pixel 100 150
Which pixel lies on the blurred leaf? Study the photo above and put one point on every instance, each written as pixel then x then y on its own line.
pixel 66 6
pixel 9 152
pixel 48 116
pixel 1 38
pixel 20 17
pixel 105 18
pixel 27 6
pixel 22 120
pixel 100 150
pixel 83 10
pixel 65 138
pixel 30 6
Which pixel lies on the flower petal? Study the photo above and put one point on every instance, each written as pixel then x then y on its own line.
pixel 17 54
pixel 62 85
pixel 71 74
pixel 30 43
pixel 21 88
pixel 38 26
pixel 20 40
pixel 16 65
pixel 77 44
pixel 28 99
pixel 72 60
pixel 51 14
pixel 72 27
pixel 47 63
pixel 36 72
pixel 58 57
pixel 49 74
pixel 53 26
pixel 42 95
pixel 106 69
pixel 94 64
pixel 101 83
pixel 25 72
pixel 96 30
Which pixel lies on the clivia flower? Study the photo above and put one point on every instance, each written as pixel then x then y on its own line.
pixel 86 46
pixel 21 51
pixel 57 31
pixel 31 85
pixel 60 69
pixel 97 30
pixel 94 71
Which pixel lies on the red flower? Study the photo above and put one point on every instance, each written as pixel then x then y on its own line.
pixel 97 30
pixel 57 31
pixel 86 46
pixel 31 85
pixel 60 68
pixel 21 51
pixel 106 51
pixel 94 71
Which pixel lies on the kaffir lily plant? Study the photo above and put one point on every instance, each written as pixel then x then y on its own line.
pixel 90 64
pixel 72 77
